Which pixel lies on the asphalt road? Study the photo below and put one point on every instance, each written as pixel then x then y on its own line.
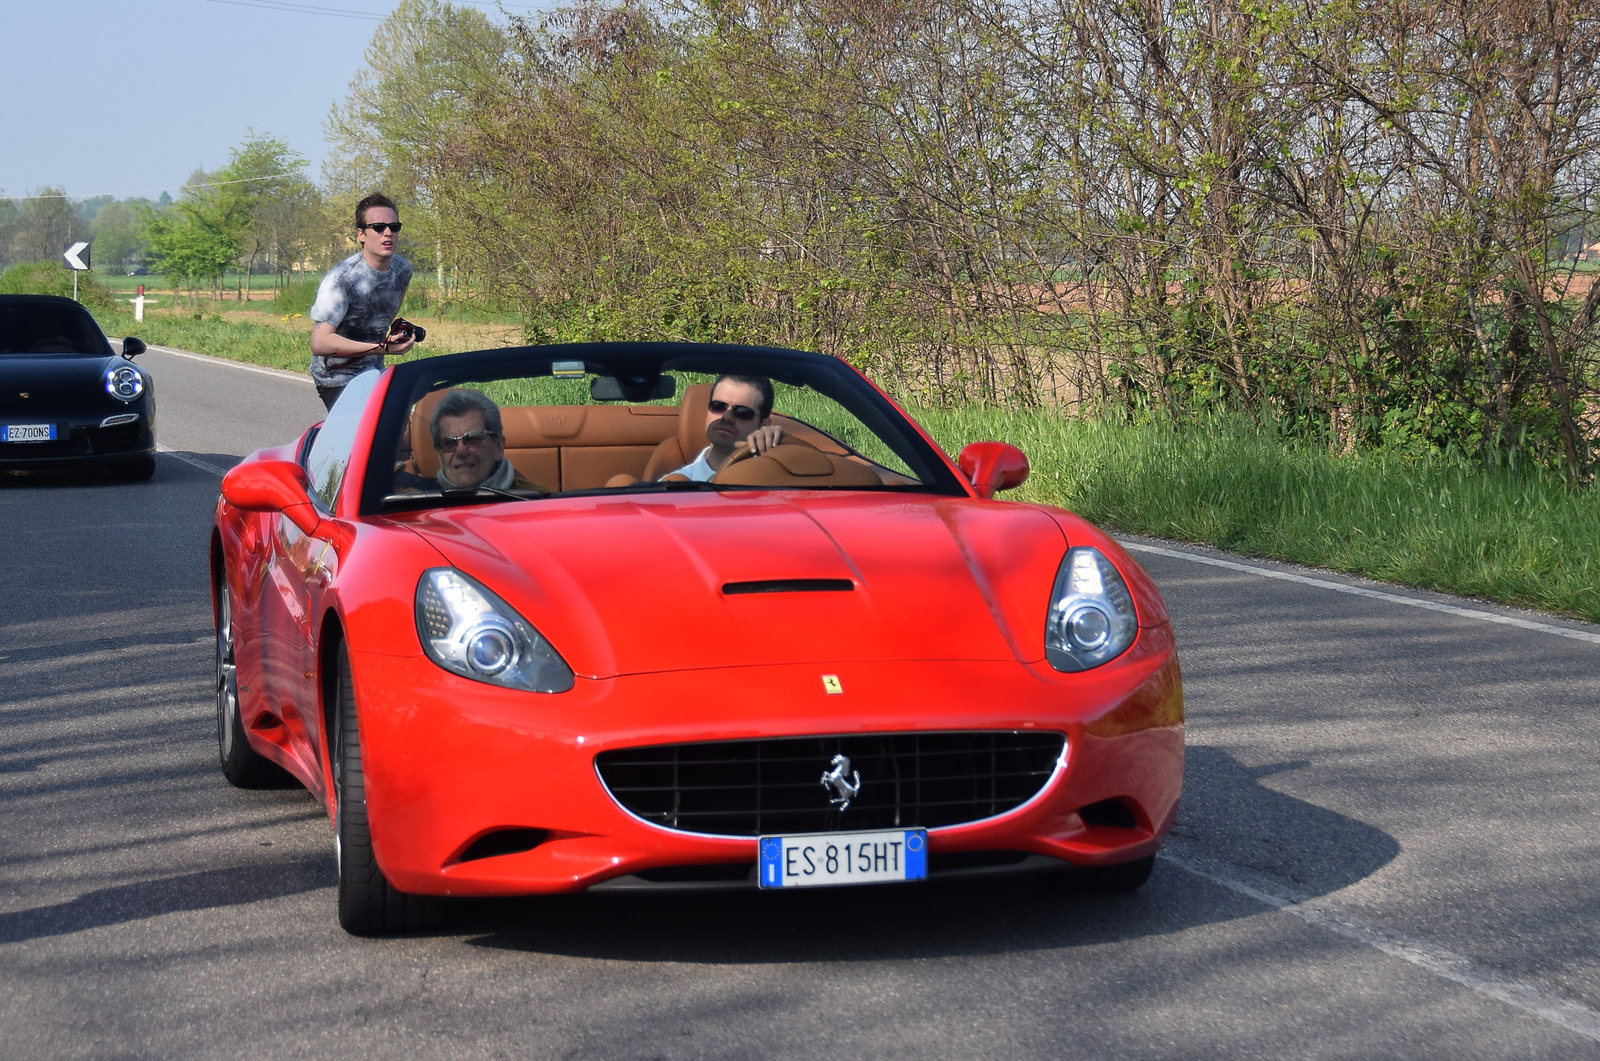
pixel 1386 849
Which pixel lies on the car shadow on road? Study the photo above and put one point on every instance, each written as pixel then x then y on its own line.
pixel 205 890
pixel 1228 814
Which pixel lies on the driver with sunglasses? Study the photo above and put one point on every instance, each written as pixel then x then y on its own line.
pixel 737 412
pixel 358 301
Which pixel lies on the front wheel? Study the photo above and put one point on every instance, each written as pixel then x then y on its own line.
pixel 368 904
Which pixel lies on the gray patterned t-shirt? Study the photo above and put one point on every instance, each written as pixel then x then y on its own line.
pixel 359 302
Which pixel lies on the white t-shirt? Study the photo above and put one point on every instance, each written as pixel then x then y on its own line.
pixel 698 469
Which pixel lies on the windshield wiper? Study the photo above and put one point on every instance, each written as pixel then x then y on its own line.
pixel 474 491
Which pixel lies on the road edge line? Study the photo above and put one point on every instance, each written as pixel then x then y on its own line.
pixel 1362 591
pixel 1325 914
pixel 279 373
pixel 205 466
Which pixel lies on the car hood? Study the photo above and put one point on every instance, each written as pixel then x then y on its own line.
pixel 638 585
pixel 51 379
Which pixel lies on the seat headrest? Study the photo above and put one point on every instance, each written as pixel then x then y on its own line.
pixel 692 419
pixel 422 451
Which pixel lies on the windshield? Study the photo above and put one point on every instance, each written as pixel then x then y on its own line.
pixel 29 327
pixel 613 419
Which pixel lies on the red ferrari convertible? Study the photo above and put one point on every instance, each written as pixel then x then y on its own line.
pixel 669 615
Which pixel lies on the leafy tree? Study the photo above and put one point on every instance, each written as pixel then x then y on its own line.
pixel 118 230
pixel 193 242
pixel 48 221
pixel 427 63
pixel 264 200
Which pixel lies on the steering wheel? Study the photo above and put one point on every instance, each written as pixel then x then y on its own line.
pixel 742 452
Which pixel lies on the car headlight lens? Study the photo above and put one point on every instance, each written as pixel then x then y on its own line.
pixel 469 631
pixel 124 383
pixel 1092 619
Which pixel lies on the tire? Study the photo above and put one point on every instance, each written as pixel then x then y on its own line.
pixel 1098 880
pixel 368 904
pixel 134 471
pixel 242 765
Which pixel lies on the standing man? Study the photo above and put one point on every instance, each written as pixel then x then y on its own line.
pixel 358 300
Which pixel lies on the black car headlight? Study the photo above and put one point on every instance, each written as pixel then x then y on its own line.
pixel 124 383
pixel 469 631
pixel 1091 618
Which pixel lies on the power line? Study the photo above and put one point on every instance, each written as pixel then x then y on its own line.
pixel 148 191
pixel 342 12
pixel 302 9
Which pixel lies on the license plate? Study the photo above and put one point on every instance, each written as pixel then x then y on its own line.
pixel 30 432
pixel 815 859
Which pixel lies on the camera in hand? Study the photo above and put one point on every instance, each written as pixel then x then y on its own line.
pixel 404 329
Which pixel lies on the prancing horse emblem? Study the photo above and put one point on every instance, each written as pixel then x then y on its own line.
pixel 842 781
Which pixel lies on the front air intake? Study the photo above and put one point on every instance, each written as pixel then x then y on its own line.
pixel 764 787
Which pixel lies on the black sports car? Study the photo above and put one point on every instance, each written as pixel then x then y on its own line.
pixel 65 397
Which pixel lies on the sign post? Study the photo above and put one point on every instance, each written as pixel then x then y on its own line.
pixel 75 256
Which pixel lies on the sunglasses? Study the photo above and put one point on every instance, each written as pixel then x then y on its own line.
pixel 740 412
pixel 380 227
pixel 472 440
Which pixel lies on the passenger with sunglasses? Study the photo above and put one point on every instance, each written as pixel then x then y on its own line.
pixel 358 301
pixel 738 412
pixel 467 431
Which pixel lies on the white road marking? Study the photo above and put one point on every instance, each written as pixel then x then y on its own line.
pixel 1326 914
pixel 205 466
pixel 1362 591
pixel 264 370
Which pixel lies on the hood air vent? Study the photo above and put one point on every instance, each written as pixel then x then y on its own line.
pixel 789 585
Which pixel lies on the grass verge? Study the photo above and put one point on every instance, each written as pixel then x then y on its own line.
pixel 258 344
pixel 1516 537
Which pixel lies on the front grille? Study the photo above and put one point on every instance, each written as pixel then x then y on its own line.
pixel 115 439
pixel 757 787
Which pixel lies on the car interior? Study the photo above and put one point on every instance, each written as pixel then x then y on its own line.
pixel 585 447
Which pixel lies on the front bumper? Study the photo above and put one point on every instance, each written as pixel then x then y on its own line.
pixel 448 760
pixel 81 440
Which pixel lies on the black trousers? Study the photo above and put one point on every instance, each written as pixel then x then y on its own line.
pixel 329 395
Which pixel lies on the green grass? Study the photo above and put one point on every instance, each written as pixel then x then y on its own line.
pixel 214 335
pixel 1517 537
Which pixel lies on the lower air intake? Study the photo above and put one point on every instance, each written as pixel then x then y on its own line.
pixel 751 788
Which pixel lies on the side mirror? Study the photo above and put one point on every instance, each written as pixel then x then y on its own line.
pixel 272 486
pixel 133 347
pixel 993 466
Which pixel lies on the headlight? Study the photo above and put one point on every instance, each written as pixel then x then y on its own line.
pixel 1091 616
pixel 469 631
pixel 124 383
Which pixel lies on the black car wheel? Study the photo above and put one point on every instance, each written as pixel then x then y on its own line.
pixel 1098 880
pixel 368 904
pixel 242 765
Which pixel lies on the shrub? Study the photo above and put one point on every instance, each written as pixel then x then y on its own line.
pixel 48 278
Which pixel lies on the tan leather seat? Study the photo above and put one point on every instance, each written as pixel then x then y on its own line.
pixel 675 452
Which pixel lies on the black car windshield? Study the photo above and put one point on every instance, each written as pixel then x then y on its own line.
pixel 40 327
pixel 638 418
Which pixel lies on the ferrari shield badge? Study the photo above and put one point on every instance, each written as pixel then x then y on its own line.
pixel 830 684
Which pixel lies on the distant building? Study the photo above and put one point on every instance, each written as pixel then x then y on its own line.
pixel 1590 253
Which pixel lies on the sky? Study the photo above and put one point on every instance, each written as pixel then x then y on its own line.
pixel 129 97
